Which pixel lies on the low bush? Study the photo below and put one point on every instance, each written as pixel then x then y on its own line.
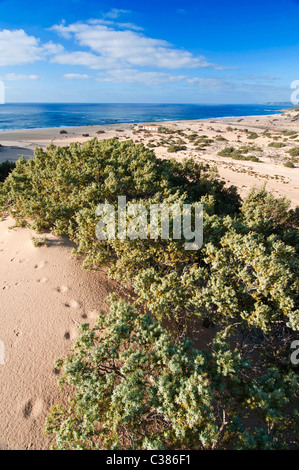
pixel 238 154
pixel 277 145
pixel 176 148
pixel 294 152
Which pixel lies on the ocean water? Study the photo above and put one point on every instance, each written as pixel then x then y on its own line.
pixel 35 116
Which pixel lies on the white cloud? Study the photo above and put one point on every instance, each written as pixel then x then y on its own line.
pixel 76 76
pixel 137 76
pixel 115 24
pixel 115 13
pixel 260 77
pixel 85 59
pixel 126 48
pixel 158 78
pixel 18 48
pixel 51 48
pixel 19 77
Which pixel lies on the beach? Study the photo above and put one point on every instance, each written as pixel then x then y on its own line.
pixel 44 291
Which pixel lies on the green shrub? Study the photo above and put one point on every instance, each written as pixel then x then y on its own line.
pixel 138 389
pixel 252 135
pixel 277 145
pixel 237 154
pixel 290 133
pixel 176 148
pixel 294 152
pixel 289 164
pixel 250 148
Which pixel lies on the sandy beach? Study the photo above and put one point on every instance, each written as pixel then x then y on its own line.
pixel 45 293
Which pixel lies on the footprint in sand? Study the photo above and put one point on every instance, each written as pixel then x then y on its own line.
pixel 42 280
pixel 62 289
pixel 91 315
pixel 72 304
pixel 27 409
pixel 71 334
pixel 40 265
pixel 37 407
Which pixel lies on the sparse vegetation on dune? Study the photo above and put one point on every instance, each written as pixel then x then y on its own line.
pixel 238 154
pixel 277 145
pixel 294 152
pixel 289 164
pixel 176 148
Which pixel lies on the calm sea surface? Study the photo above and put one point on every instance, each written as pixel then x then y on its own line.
pixel 32 116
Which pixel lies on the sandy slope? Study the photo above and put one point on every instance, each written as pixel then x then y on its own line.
pixel 43 295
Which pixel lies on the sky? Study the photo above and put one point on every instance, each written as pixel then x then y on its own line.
pixel 93 51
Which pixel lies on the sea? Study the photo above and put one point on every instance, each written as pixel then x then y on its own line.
pixel 38 116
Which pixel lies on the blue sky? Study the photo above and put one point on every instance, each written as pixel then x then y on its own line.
pixel 211 51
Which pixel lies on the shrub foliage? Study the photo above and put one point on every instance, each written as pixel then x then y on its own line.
pixel 139 383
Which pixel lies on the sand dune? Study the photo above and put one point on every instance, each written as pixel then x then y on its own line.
pixel 44 294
